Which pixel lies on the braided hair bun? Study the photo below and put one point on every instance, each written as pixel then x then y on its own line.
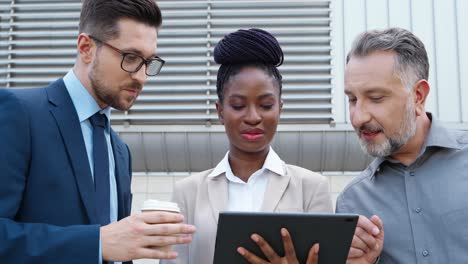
pixel 251 47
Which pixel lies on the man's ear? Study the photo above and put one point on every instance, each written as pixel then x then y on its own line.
pixel 86 48
pixel 219 109
pixel 420 92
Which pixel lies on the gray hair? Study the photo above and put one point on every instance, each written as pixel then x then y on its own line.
pixel 411 64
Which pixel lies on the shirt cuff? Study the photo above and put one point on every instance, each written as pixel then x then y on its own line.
pixel 100 250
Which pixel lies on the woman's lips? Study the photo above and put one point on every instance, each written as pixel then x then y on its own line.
pixel 252 134
pixel 252 137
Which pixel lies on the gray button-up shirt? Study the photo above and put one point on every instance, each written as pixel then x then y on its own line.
pixel 424 206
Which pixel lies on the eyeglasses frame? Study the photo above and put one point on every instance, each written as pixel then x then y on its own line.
pixel 124 53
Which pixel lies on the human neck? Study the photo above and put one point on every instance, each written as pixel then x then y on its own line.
pixel 245 164
pixel 410 151
pixel 82 76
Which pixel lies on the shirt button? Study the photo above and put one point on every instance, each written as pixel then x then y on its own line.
pixel 411 173
pixel 418 210
pixel 425 253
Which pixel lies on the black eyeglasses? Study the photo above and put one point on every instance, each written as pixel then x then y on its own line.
pixel 132 62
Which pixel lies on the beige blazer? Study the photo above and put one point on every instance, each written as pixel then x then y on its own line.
pixel 201 198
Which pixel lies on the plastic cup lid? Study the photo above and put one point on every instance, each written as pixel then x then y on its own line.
pixel 151 205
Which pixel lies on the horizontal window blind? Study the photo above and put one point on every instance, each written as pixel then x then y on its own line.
pixel 38 45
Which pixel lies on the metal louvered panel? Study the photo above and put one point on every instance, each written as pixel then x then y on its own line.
pixel 303 30
pixel 4 41
pixel 179 93
pixel 41 41
pixel 38 45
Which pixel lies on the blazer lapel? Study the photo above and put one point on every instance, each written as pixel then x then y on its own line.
pixel 218 194
pixel 277 185
pixel 66 117
pixel 121 171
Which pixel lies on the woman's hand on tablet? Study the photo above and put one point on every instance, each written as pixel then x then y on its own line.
pixel 273 258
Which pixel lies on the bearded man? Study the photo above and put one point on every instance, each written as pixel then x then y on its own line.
pixel 65 173
pixel 417 184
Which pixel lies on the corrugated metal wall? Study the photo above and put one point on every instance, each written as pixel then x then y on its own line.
pixel 442 26
pixel 39 45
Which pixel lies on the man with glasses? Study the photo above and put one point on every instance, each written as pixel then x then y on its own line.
pixel 65 174
pixel 132 62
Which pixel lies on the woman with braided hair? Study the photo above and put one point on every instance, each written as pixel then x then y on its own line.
pixel 251 176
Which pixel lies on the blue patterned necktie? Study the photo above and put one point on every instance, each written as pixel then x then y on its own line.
pixel 101 168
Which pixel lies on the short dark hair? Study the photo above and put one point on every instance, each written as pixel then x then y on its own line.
pixel 99 17
pixel 411 64
pixel 243 48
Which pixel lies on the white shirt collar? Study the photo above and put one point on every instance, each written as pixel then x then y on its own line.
pixel 272 163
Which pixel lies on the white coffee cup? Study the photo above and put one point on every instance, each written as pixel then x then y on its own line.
pixel 157 205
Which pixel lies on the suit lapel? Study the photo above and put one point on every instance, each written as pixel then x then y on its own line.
pixel 121 171
pixel 276 187
pixel 217 194
pixel 65 115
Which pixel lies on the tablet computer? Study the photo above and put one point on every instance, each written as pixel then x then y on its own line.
pixel 334 232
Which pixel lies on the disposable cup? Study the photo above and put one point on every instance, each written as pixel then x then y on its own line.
pixel 156 205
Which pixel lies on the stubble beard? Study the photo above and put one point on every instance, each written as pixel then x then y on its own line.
pixel 106 94
pixel 393 143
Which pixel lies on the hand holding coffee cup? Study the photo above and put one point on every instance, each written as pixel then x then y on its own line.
pixel 162 206
pixel 146 235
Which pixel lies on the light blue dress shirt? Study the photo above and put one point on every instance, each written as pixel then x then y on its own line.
pixel 86 106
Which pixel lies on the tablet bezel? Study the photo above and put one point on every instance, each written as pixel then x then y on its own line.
pixel 334 232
